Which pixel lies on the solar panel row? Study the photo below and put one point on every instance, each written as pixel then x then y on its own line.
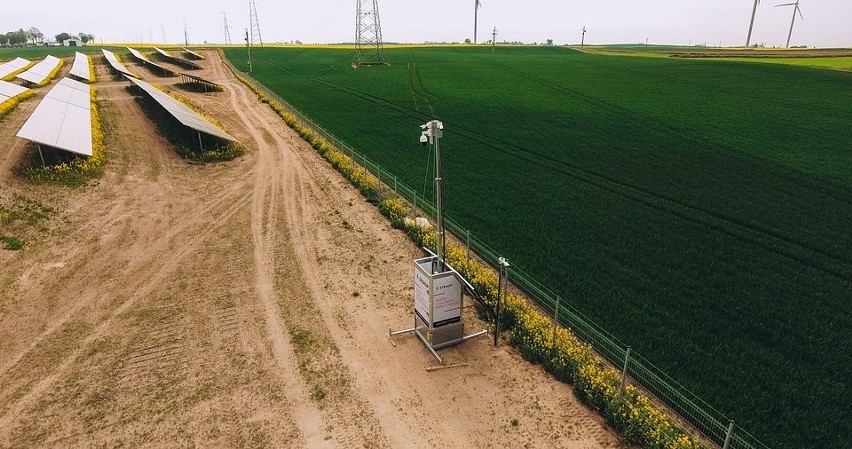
pixel 63 119
pixel 169 56
pixel 39 72
pixel 8 68
pixel 181 113
pixel 193 53
pixel 145 60
pixel 9 90
pixel 114 62
pixel 81 69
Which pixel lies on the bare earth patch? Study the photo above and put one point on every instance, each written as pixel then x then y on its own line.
pixel 236 304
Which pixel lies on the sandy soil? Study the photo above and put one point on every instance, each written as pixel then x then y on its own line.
pixel 236 304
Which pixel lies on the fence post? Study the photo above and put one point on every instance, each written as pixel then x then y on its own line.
pixel 415 201
pixel 729 436
pixel 395 189
pixel 624 372
pixel 467 243
pixel 556 319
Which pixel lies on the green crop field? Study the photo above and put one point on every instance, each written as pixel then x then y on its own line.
pixel 698 210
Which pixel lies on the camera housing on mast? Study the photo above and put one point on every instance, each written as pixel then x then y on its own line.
pixel 431 130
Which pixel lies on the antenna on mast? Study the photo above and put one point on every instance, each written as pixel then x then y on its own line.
pixel 476 6
pixel 368 34
pixel 254 24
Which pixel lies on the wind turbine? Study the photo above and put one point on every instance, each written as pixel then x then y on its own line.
pixel 793 22
pixel 476 6
pixel 583 40
pixel 751 25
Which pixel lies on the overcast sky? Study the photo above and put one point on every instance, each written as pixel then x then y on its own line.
pixel 827 23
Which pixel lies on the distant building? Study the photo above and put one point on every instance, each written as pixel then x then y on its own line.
pixel 73 42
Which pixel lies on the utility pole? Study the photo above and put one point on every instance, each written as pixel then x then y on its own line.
pixel 185 34
pixel 493 40
pixel 248 47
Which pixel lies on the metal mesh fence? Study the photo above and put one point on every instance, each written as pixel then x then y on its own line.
pixel 715 426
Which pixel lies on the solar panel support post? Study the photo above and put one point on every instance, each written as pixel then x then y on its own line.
pixel 40 155
pixel 200 142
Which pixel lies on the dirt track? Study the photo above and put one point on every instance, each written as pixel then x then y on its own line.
pixel 237 304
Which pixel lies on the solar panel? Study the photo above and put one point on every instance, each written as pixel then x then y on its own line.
pixel 183 114
pixel 113 61
pixel 192 53
pixel 9 90
pixel 61 120
pixel 163 52
pixel 71 92
pixel 39 72
pixel 80 69
pixel 8 68
pixel 145 60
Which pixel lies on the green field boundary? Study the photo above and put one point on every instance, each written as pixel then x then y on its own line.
pixel 691 409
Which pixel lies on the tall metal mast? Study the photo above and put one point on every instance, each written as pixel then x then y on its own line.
pixel 227 29
pixel 254 24
pixel 368 34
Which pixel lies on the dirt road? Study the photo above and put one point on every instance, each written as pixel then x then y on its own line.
pixel 236 304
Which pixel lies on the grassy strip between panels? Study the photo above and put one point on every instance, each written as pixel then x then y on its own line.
pixel 9 105
pixel 561 353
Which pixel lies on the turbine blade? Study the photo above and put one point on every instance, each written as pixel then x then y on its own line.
pixel 800 11
pixel 785 4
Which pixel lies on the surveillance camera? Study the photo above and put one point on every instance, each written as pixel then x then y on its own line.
pixel 441 126
pixel 424 126
pixel 424 140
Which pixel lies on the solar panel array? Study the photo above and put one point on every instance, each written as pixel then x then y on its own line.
pixel 114 62
pixel 9 90
pixel 183 114
pixel 81 68
pixel 63 119
pixel 39 72
pixel 8 68
pixel 145 60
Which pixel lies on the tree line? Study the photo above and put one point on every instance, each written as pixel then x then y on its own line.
pixel 34 36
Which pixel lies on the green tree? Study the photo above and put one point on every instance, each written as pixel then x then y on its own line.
pixel 86 38
pixel 62 36
pixel 4 39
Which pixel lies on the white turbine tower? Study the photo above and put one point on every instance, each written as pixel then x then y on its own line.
pixel 793 22
pixel 476 6
pixel 751 24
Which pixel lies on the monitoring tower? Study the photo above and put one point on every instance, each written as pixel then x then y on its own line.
pixel 368 34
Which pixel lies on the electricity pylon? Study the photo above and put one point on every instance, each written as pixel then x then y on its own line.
pixel 368 34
